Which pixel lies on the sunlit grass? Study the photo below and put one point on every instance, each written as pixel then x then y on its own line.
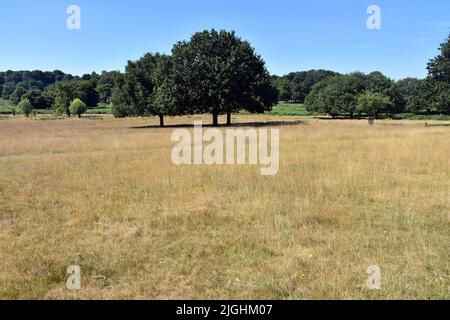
pixel 96 193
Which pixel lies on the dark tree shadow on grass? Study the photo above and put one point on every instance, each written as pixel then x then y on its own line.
pixel 437 124
pixel 234 125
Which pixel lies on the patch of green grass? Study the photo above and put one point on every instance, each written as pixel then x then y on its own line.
pixel 102 108
pixel 291 109
pixel 5 106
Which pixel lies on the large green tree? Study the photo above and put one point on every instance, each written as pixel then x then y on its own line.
pixel 105 85
pixel 408 89
pixel 39 99
pixel 439 75
pixel 337 95
pixel 64 93
pixel 146 89
pixel 372 103
pixel 86 91
pixel 218 73
pixel 439 67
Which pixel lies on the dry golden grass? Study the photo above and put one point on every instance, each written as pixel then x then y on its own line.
pixel 96 193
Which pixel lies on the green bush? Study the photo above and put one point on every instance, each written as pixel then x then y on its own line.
pixel 78 107
pixel 121 111
pixel 26 107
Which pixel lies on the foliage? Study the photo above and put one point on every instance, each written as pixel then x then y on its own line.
pixel 295 86
pixel 338 95
pixel 218 73
pixel 439 67
pixel 78 107
pixel 372 103
pixel 39 99
pixel 25 107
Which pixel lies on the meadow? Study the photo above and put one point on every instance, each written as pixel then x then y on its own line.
pixel 100 193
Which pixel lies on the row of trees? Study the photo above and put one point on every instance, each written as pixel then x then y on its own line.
pixel 372 94
pixel 56 89
pixel 214 72
pixel 340 94
pixel 295 86
pixel 218 73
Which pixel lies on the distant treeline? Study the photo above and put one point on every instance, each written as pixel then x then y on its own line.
pixel 295 86
pixel 218 73
pixel 327 92
pixel 46 90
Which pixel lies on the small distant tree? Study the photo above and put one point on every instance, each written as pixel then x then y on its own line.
pixel 26 107
pixel 64 92
pixel 372 103
pixel 78 107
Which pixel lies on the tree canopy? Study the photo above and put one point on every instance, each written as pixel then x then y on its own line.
pixel 295 86
pixel 218 73
pixel 78 107
pixel 146 88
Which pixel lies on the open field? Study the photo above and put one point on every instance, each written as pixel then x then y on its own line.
pixel 99 194
pixel 281 109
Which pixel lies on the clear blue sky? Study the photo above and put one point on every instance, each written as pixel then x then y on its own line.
pixel 291 35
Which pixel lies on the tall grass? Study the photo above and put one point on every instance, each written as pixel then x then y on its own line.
pixel 106 197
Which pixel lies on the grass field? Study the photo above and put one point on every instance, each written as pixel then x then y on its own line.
pixel 5 105
pixel 291 109
pixel 281 109
pixel 99 194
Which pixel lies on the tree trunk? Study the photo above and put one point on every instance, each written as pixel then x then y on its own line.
pixel 228 119
pixel 215 119
pixel 79 116
pixel 161 121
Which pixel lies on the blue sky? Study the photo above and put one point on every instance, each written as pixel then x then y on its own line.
pixel 291 35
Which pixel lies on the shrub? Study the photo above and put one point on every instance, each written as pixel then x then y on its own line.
pixel 26 107
pixel 78 107
pixel 121 111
